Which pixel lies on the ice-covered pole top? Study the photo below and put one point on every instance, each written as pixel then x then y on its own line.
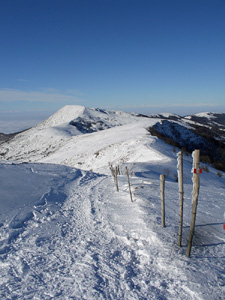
pixel 196 158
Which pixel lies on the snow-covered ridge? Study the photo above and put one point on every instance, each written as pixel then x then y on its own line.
pixel 93 120
pixel 205 115
pixel 64 115
pixel 84 137
pixel 166 116
pixel 207 119
pixel 59 138
pixel 73 114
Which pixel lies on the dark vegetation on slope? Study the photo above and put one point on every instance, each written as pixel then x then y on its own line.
pixel 209 140
pixel 85 126
pixel 215 119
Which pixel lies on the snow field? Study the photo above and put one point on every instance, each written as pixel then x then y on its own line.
pixel 84 240
pixel 65 233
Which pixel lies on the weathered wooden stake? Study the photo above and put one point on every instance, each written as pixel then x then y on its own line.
pixel 119 173
pixel 116 179
pixel 162 188
pixel 114 174
pixel 128 180
pixel 181 192
pixel 112 170
pixel 196 181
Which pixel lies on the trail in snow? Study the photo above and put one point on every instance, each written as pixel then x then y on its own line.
pixel 86 254
pixel 66 233
pixel 96 244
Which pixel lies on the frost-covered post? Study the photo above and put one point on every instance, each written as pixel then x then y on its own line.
pixel 181 192
pixel 116 179
pixel 114 174
pixel 119 173
pixel 112 170
pixel 128 180
pixel 196 181
pixel 162 189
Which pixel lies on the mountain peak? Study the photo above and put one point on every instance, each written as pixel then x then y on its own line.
pixel 66 114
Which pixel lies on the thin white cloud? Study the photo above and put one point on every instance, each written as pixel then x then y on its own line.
pixel 48 95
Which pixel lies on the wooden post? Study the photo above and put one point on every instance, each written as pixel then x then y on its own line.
pixel 119 173
pixel 116 179
pixel 128 180
pixel 112 170
pixel 196 181
pixel 181 192
pixel 162 188
pixel 114 174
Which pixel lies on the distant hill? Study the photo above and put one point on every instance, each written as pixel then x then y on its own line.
pixel 205 131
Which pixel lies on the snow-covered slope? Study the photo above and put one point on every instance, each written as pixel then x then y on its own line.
pixel 67 138
pixel 65 233
pixel 205 132
pixel 63 116
pixel 207 119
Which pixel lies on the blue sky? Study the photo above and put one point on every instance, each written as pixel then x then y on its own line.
pixel 148 56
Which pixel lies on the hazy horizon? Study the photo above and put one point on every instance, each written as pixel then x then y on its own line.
pixel 15 121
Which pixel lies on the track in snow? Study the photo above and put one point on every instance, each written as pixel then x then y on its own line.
pixel 97 245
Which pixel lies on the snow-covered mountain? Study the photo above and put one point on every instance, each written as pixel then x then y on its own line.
pixel 208 119
pixel 66 138
pixel 66 233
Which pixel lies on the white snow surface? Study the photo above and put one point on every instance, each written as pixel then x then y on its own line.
pixel 64 115
pixel 66 233
pixel 54 142
pixel 205 115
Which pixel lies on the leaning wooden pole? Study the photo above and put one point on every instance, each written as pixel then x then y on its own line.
pixel 196 181
pixel 128 180
pixel 162 189
pixel 181 193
